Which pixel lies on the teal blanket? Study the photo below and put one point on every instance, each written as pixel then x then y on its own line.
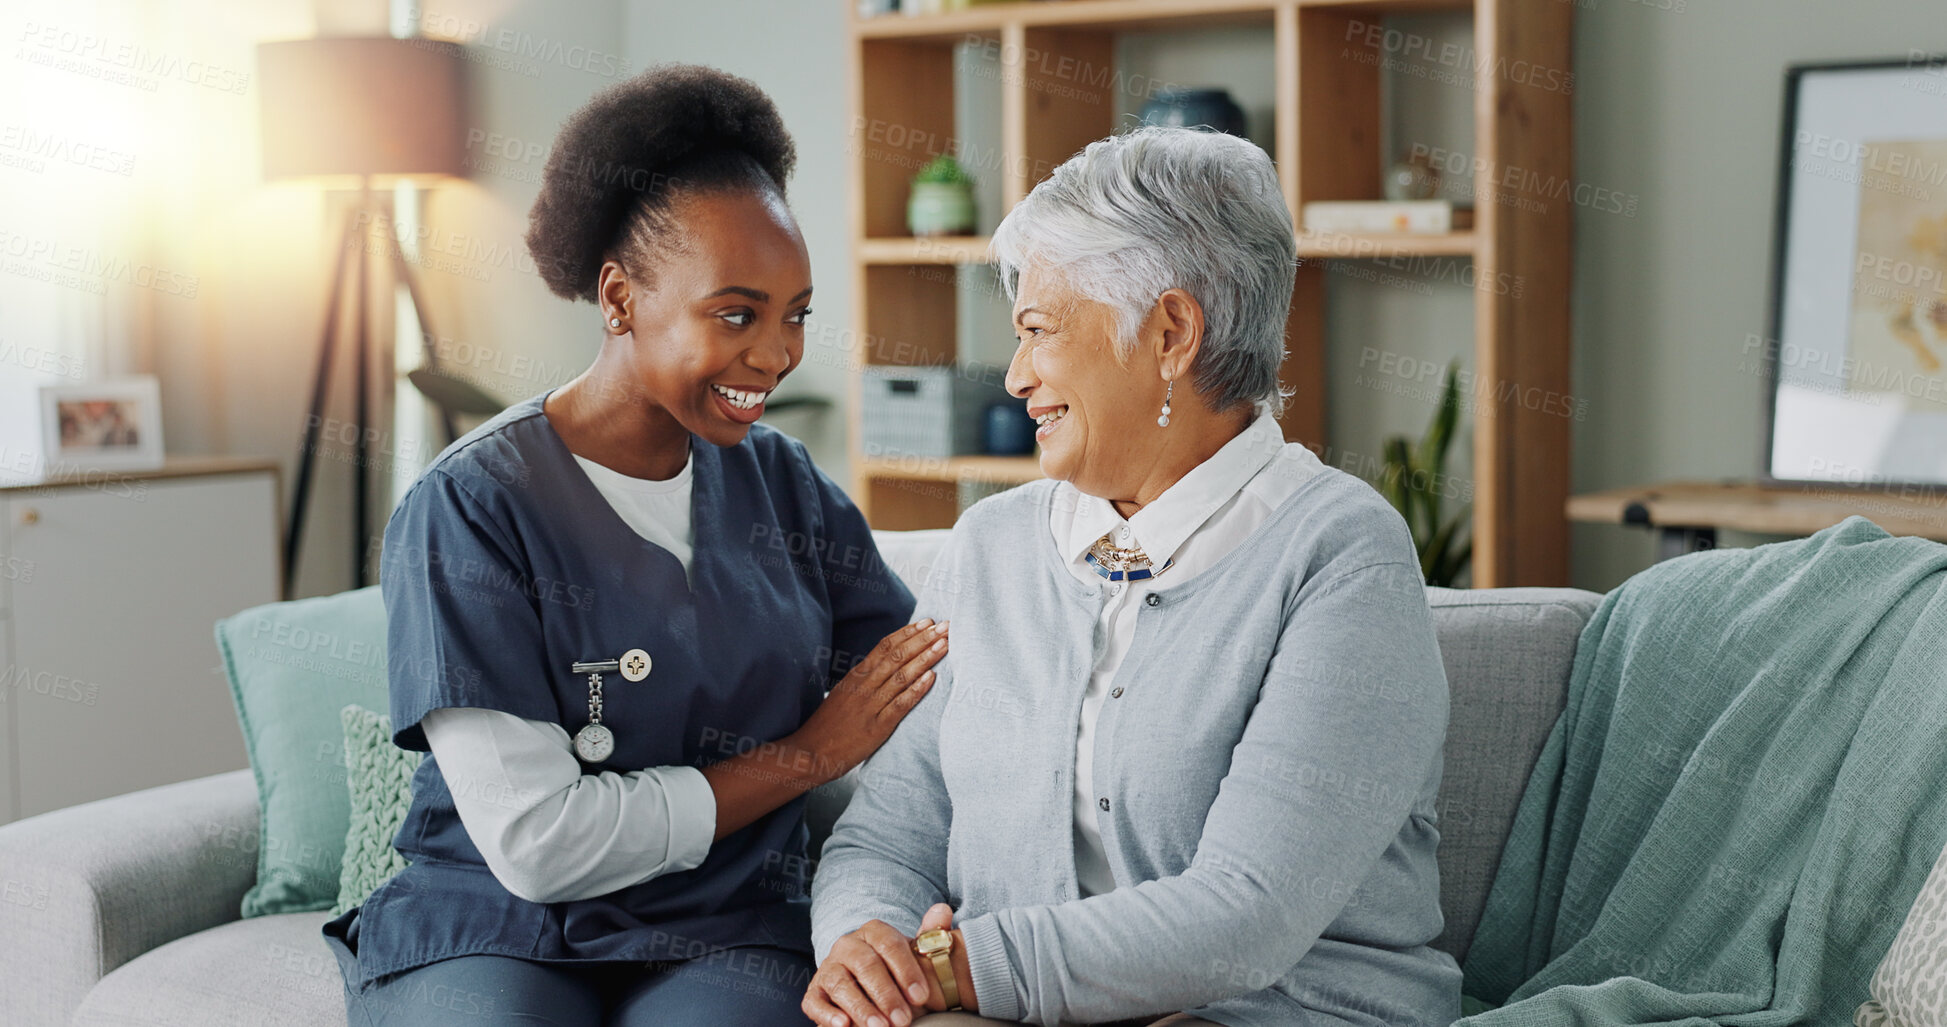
pixel 1741 800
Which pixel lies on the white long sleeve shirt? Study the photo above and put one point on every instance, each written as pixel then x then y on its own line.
pixel 549 832
pixel 1195 522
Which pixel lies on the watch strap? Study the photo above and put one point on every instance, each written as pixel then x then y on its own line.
pixel 949 984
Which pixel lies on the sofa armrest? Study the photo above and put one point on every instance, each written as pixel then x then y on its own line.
pixel 88 888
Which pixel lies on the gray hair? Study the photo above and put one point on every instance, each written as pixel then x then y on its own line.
pixel 1154 209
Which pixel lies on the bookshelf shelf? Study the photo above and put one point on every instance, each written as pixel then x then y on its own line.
pixel 972 249
pixel 1380 246
pixel 1114 15
pixel 958 249
pixel 1002 470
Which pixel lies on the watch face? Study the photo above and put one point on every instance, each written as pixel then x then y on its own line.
pixel 594 743
pixel 934 941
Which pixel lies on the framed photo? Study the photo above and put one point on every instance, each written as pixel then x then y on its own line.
pixel 113 425
pixel 1858 340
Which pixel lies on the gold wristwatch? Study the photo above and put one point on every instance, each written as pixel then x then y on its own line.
pixel 937 945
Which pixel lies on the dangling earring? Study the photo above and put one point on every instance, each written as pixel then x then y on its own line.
pixel 1164 421
pixel 615 322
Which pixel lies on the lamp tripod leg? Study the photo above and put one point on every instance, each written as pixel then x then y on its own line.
pixel 362 379
pixel 314 421
pixel 429 347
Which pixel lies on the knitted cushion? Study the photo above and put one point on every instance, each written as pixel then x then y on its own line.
pixel 380 777
pixel 1907 988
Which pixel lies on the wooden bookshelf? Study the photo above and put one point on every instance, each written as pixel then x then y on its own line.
pixel 1326 143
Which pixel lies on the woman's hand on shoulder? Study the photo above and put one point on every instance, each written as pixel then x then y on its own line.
pixel 861 712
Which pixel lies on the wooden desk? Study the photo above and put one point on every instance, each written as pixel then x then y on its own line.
pixel 1688 514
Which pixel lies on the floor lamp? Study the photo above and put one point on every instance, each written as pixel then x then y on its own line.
pixel 355 111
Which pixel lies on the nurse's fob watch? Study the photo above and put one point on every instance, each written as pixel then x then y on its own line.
pixel 595 742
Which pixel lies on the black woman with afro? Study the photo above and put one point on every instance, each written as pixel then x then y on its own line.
pixel 629 625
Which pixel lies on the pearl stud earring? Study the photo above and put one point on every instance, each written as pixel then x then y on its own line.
pixel 1164 421
pixel 615 322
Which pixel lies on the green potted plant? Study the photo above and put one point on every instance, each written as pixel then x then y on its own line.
pixel 1413 478
pixel 942 199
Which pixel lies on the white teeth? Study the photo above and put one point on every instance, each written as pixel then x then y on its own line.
pixel 740 400
pixel 1051 417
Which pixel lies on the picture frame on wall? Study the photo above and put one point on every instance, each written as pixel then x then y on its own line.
pixel 108 425
pixel 1857 347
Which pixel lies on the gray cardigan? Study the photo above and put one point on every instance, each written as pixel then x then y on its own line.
pixel 1267 767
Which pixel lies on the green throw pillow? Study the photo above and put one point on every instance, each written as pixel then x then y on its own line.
pixel 380 776
pixel 292 668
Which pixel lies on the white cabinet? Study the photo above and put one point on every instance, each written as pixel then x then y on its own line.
pixel 109 593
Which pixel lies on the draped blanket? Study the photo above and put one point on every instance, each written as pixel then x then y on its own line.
pixel 1744 795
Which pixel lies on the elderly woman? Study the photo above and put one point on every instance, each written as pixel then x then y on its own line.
pixel 1181 762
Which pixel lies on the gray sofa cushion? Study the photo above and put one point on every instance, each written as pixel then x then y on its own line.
pixel 1508 654
pixel 85 889
pixel 247 973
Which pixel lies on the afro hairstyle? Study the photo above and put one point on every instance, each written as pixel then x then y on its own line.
pixel 624 158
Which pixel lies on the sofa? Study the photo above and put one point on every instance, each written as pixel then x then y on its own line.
pixel 126 911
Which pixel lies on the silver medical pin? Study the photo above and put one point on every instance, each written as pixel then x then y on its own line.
pixel 595 742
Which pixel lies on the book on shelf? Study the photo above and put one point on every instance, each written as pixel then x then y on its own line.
pixel 1411 217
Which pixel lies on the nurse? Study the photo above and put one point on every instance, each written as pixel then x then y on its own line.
pixel 615 611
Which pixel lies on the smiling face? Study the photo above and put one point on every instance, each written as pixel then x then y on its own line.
pixel 721 321
pixel 1098 426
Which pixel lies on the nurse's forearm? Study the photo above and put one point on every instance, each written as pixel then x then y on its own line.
pixel 757 782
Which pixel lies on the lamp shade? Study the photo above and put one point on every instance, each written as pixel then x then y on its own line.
pixel 358 105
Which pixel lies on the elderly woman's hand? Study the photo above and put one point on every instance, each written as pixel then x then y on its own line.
pixel 873 977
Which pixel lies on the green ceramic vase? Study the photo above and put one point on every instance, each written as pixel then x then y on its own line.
pixel 940 208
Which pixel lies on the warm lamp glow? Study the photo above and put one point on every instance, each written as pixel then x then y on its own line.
pixel 359 107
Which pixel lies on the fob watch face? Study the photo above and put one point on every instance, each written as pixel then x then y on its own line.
pixel 594 743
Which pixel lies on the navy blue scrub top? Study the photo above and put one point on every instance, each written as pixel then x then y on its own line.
pixel 503 565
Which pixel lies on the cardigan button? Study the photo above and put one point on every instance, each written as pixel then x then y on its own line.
pixel 1116 692
pixel 1103 803
pixel 1152 599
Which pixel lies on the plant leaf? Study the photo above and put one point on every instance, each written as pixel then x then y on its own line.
pixel 1397 483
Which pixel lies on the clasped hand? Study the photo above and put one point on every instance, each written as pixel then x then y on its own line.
pixel 874 977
